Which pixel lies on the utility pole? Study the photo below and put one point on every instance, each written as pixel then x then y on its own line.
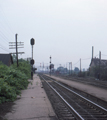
pixel 50 65
pixel 80 66
pixel 40 67
pixel 14 45
pixel 66 68
pixel 16 50
pixel 71 68
pixel 99 74
pixel 92 52
pixel 43 68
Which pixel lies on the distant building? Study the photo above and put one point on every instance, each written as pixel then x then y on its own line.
pixel 96 61
pixel 98 68
pixel 6 59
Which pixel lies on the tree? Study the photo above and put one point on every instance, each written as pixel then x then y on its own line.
pixel 76 70
pixel 99 72
pixel 14 57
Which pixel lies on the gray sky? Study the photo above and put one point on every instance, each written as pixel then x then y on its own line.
pixel 64 29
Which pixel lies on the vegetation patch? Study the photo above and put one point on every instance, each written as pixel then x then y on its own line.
pixel 13 79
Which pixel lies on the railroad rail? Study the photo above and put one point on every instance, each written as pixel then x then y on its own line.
pixel 70 105
pixel 87 80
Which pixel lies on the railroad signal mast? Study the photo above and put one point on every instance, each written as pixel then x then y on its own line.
pixel 32 42
pixel 16 45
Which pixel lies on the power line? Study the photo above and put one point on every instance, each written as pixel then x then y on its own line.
pixel 86 58
pixel 4 42
pixel 4 49
pixel 103 55
pixel 96 55
pixel 3 46
pixel 5 28
pixel 76 62
pixel 5 31
pixel 5 19
pixel 4 38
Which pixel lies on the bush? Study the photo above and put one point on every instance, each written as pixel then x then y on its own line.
pixel 13 80
pixel 24 67
pixel 7 92
pixel 82 74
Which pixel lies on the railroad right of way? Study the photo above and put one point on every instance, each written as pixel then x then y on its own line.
pixel 98 92
pixel 73 105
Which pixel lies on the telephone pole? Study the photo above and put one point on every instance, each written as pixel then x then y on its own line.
pixel 92 52
pixel 16 51
pixel 71 68
pixel 80 66
pixel 99 74
pixel 16 45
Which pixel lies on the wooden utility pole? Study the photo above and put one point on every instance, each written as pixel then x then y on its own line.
pixel 14 45
pixel 80 66
pixel 99 74
pixel 71 68
pixel 16 50
pixel 92 52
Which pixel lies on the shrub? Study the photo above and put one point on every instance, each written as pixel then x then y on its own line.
pixel 7 92
pixel 13 80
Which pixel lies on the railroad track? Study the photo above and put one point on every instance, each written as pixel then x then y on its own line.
pixel 70 105
pixel 90 81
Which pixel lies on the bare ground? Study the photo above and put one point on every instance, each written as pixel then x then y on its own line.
pixel 5 108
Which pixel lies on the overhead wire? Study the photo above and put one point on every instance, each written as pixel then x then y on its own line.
pixel 79 61
pixel 4 37
pixel 5 29
pixel 5 32
pixel 4 41
pixel 76 62
pixel 86 58
pixel 96 55
pixel 103 55
pixel 6 20
pixel 3 49
pixel 3 46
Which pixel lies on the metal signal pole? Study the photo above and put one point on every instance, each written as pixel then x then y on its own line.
pixel 50 65
pixel 32 42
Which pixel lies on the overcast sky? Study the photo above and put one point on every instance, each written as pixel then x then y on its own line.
pixel 64 29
